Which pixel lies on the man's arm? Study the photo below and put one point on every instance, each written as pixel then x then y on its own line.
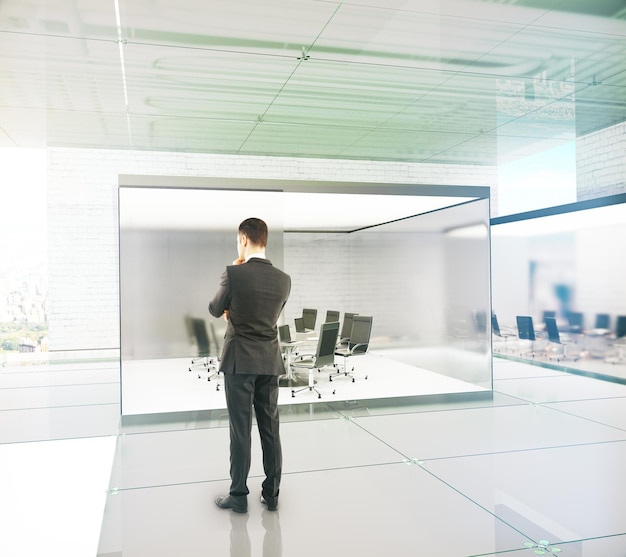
pixel 221 301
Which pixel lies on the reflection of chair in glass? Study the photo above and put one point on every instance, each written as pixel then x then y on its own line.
pixel 204 361
pixel 309 316
pixel 526 331
pixel 619 342
pixel 554 337
pixel 620 326
pixel 331 315
pixel 358 344
pixel 603 322
pixel 495 328
pixel 546 313
pixel 576 322
pixel 324 356
pixel 480 323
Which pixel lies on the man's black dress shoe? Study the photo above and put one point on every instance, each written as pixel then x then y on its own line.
pixel 271 502
pixel 230 502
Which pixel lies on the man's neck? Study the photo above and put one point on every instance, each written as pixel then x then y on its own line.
pixel 255 253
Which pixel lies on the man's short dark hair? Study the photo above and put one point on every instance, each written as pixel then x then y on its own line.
pixel 255 230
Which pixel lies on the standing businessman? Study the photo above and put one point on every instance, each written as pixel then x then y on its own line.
pixel 251 296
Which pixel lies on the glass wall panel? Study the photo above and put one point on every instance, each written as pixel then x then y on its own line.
pixel 568 265
pixel 427 281
pixel 174 245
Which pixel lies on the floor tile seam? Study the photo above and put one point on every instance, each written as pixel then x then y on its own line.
pixel 529 378
pixel 591 420
pixel 477 504
pixel 53 439
pixel 542 402
pixel 521 402
pixel 31 408
pixel 515 451
pixel 588 399
pixel 283 423
pixel 404 456
pixel 54 373
pixel 258 476
pixel 553 544
pixel 57 386
pixel 584 400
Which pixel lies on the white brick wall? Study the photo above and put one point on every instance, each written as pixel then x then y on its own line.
pixel 601 163
pixel 83 228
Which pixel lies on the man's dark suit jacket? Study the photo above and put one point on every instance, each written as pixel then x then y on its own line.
pixel 254 293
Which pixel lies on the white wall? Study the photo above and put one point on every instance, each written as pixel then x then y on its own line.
pixel 601 163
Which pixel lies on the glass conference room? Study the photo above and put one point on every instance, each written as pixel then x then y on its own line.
pixel 414 257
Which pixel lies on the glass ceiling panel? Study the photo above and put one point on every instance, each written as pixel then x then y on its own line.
pixel 301 140
pixel 275 28
pixel 188 134
pixel 349 94
pixel 61 74
pixel 409 145
pixel 203 84
pixel 426 40
pixel 480 150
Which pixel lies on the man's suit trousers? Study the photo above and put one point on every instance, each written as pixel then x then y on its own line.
pixel 243 393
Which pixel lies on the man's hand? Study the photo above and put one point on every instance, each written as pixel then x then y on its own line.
pixel 226 315
pixel 239 261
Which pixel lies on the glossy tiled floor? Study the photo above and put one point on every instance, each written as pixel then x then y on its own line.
pixel 538 469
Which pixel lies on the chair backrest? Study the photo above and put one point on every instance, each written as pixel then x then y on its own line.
pixel 360 335
pixel 309 316
pixel 284 333
pixel 331 315
pixel 198 328
pixel 525 329
pixel 346 328
pixel 325 354
pixel 299 324
pixel 575 320
pixel 620 327
pixel 548 314
pixel 553 330
pixel 603 321
pixel 495 327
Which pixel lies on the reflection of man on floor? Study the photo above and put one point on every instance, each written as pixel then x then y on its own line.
pixel 251 296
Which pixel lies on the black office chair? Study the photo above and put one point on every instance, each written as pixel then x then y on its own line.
pixel 204 361
pixel 554 337
pixel 331 315
pixel 310 317
pixel 346 328
pixel 358 344
pixel 576 322
pixel 526 331
pixel 495 328
pixel 299 322
pixel 324 356
pixel 603 322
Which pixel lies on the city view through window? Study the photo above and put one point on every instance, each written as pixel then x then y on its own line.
pixel 23 242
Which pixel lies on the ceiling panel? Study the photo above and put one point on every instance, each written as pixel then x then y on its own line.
pixel 300 139
pixel 407 80
pixel 204 84
pixel 271 28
